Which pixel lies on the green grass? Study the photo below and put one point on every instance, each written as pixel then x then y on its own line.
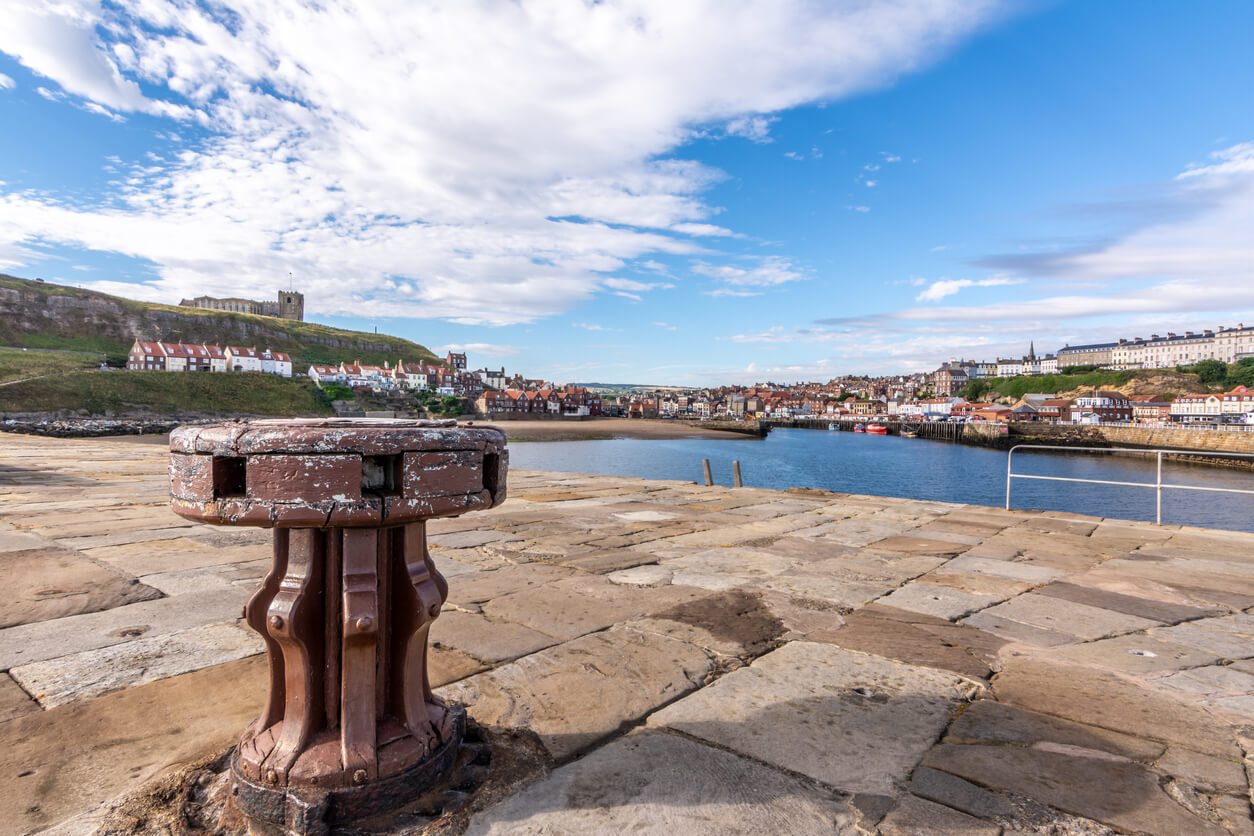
pixel 123 392
pixel 105 325
pixel 16 364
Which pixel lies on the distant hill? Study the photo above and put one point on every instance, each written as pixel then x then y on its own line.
pixel 44 315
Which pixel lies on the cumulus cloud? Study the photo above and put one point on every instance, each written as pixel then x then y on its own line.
pixel 478 162
pixel 6 82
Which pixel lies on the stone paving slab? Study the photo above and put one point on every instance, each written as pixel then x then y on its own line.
pixel 696 659
pixel 65 679
pixel 48 583
pixel 581 691
pixel 652 782
pixel 854 722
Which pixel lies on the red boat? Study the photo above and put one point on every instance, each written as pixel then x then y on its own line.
pixel 877 429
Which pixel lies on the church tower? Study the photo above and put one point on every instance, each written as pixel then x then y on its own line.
pixel 291 305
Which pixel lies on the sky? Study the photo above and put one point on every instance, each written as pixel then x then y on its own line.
pixel 648 192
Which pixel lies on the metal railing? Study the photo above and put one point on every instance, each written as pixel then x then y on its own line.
pixel 1158 484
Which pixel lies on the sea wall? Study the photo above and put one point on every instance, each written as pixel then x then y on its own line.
pixel 1165 438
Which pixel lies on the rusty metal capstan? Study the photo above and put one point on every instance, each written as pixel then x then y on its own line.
pixel 350 728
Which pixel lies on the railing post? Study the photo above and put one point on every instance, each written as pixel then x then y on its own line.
pixel 1158 492
pixel 1009 454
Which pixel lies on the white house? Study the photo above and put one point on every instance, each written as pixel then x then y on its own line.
pixel 276 362
pixel 242 359
pixel 1193 408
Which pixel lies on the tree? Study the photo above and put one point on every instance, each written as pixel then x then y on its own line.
pixel 1211 371
pixel 1242 374
pixel 975 390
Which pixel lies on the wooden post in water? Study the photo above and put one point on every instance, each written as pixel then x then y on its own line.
pixel 736 474
pixel 709 480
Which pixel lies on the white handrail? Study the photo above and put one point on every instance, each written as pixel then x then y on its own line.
pixel 1158 484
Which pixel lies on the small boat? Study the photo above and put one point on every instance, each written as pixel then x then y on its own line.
pixel 858 428
pixel 909 434
pixel 877 429
pixel 831 427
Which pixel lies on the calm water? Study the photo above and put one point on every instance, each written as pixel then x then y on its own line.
pixel 915 468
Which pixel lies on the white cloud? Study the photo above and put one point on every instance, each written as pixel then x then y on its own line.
pixel 592 326
pixel 633 285
pixel 489 349
pixel 858 208
pixel 754 128
pixel 6 82
pixel 704 229
pixel 665 325
pixel 793 155
pixel 769 271
pixel 870 184
pixel 412 163
pixel 938 290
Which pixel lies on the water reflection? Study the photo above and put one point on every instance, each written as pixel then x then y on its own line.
pixel 916 469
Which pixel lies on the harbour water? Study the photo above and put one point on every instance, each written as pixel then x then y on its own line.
pixel 914 468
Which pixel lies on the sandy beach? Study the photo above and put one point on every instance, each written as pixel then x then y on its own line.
pixel 593 429
pixel 602 428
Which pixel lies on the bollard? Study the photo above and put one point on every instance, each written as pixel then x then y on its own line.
pixel 709 479
pixel 736 481
pixel 350 728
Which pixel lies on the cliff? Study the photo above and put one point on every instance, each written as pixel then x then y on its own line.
pixel 43 315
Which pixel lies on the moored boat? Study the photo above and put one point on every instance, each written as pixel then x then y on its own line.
pixel 877 429
pixel 858 428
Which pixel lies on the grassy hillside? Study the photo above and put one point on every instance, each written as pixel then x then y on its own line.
pixel 51 316
pixel 166 393
pixel 1160 382
pixel 16 364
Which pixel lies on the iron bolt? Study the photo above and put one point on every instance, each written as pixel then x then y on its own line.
pixel 434 610
pixel 276 622
pixel 272 777
pixel 364 623
pixel 359 777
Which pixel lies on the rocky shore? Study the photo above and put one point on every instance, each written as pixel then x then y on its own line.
pixel 92 427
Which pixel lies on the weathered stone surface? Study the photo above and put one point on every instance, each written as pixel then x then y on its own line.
pixel 18 541
pixel 445 665
pixel 1063 616
pixel 47 583
pixel 577 693
pixel 496 583
pixel 57 681
pixel 608 560
pixel 1204 771
pixel 491 641
pixel 1017 631
pixel 1166 612
pixel 953 791
pixel 14 702
pixel 1201 635
pixel 1102 699
pixel 28 643
pixel 1000 569
pixel 729 623
pixel 919 545
pixel 70 759
pixel 796 706
pixel 942 601
pixel 651 782
pixel 1118 793
pixel 917 817
pixel 986 721
pixel 1136 653
pixel 893 639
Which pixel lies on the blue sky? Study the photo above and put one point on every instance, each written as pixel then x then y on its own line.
pixel 648 192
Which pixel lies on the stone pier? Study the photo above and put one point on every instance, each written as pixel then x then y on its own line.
pixel 660 657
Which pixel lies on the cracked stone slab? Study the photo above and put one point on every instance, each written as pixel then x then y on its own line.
pixel 1100 698
pixel 990 722
pixel 1007 569
pixel 28 643
pixel 65 679
pixel 859 723
pixel 941 601
pixel 915 816
pixel 14 702
pixel 653 782
pixel 1063 616
pixel 491 641
pixel 577 693
pixel 1113 791
pixel 49 583
pixel 1137 653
